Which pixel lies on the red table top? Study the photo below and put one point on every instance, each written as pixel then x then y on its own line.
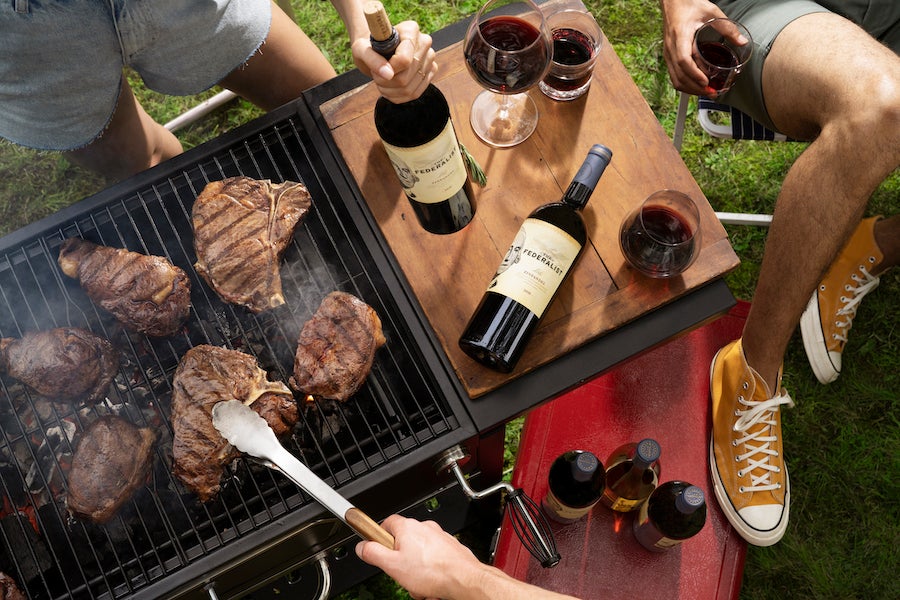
pixel 663 394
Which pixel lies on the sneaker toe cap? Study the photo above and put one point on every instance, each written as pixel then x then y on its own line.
pixel 766 520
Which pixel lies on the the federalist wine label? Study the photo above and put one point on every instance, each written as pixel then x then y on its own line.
pixel 649 535
pixel 431 172
pixel 535 265
pixel 560 512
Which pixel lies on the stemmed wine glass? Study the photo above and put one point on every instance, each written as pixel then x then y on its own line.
pixel 508 48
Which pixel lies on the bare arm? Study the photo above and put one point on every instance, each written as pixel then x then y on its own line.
pixel 430 563
pixel 681 18
pixel 411 68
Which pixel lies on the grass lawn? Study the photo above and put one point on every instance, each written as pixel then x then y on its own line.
pixel 841 440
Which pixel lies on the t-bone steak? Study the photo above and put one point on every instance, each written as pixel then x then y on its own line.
pixel 242 227
pixel 207 375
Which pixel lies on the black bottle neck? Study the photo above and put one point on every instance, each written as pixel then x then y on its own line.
pixel 386 48
pixel 577 195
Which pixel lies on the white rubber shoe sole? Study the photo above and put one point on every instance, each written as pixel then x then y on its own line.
pixel 826 365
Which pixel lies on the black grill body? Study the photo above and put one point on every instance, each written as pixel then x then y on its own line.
pixel 164 542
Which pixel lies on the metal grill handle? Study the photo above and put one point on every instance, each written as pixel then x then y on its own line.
pixel 323 593
pixel 528 521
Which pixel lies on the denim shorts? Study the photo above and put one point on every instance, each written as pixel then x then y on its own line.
pixel 766 18
pixel 62 61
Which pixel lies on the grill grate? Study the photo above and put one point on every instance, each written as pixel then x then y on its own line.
pixel 164 528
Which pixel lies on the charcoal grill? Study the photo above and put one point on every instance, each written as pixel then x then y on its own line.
pixel 379 449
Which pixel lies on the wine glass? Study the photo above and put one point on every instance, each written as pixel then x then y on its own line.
pixel 507 50
pixel 661 237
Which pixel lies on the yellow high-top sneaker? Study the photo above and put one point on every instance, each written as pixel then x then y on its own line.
pixel 829 315
pixel 749 475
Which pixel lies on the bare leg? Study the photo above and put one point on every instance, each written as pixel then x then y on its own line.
pixel 286 64
pixel 851 98
pixel 131 142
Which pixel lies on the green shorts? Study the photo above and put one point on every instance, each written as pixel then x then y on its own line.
pixel 766 18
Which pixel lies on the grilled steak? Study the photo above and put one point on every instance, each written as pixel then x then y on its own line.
pixel 66 363
pixel 8 588
pixel 336 348
pixel 145 293
pixel 112 460
pixel 207 375
pixel 242 227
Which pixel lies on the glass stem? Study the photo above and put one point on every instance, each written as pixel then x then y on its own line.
pixel 505 103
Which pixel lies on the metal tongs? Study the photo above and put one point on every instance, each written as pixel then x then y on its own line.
pixel 249 433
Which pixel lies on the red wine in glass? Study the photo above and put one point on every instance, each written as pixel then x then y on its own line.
pixel 572 48
pixel 722 61
pixel 658 241
pixel 504 57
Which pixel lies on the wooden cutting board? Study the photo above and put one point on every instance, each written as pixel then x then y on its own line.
pixel 449 273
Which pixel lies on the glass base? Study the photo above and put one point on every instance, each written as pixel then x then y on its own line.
pixel 503 120
pixel 564 95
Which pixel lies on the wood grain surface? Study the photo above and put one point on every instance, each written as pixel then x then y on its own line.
pixel 449 273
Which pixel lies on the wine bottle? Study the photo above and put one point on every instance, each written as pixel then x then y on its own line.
pixel 421 144
pixel 575 484
pixel 538 261
pixel 674 512
pixel 632 473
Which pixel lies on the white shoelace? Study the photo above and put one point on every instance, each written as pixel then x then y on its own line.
pixel 867 282
pixel 763 413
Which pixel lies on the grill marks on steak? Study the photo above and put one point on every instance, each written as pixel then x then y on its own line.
pixel 242 227
pixel 145 293
pixel 112 460
pixel 207 375
pixel 336 348
pixel 66 363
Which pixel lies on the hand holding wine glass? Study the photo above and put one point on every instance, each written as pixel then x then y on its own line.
pixel 718 53
pixel 507 50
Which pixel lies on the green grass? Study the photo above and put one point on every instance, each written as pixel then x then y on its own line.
pixel 841 440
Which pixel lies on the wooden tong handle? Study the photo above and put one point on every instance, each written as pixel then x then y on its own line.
pixel 368 529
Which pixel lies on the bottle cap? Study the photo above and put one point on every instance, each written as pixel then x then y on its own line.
pixel 690 499
pixel 585 466
pixel 647 452
pixel 585 180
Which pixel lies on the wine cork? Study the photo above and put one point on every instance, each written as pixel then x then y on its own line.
pixel 380 27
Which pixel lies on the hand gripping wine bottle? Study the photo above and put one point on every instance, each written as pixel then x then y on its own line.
pixel 538 261
pixel 421 144
pixel 632 473
pixel 575 484
pixel 674 512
